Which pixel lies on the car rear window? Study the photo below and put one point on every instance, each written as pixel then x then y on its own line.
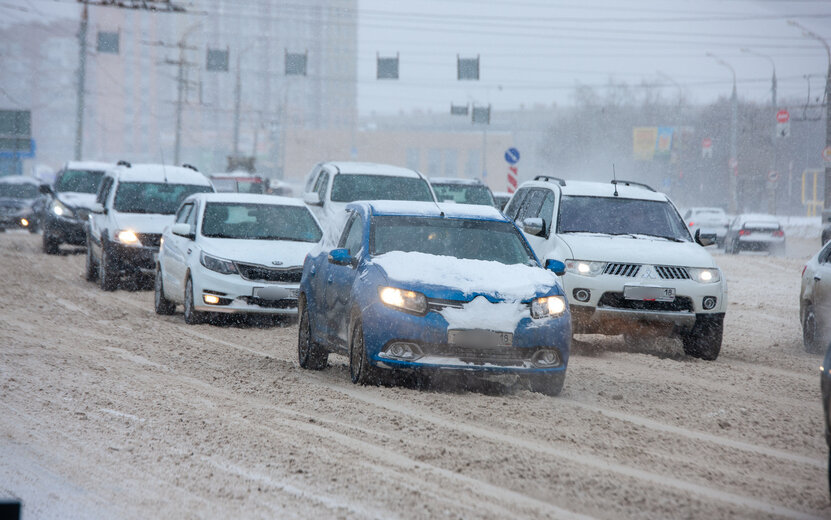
pixel 464 194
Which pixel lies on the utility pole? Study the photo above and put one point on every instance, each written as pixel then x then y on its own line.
pixel 82 73
pixel 237 96
pixel 733 164
pixel 181 82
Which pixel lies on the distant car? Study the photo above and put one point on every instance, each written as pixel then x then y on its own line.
pixel 21 203
pixel 239 182
pixel 133 206
pixel 462 191
pixel 423 287
pixel 826 231
pixel 815 301
pixel 234 253
pixel 825 387
pixel 755 232
pixel 330 186
pixel 69 202
pixel 709 222
pixel 501 199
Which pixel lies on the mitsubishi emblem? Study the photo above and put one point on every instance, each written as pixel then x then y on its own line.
pixel 648 273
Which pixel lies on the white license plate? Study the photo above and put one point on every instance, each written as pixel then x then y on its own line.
pixel 275 293
pixel 480 338
pixel 649 293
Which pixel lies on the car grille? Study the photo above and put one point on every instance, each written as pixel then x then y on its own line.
pixel 437 305
pixel 500 356
pixel 261 273
pixel 83 214
pixel 668 272
pixel 615 300
pixel 149 239
pixel 288 303
pixel 622 269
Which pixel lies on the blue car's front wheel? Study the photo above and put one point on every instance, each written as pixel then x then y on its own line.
pixel 310 355
pixel 547 384
pixel 361 370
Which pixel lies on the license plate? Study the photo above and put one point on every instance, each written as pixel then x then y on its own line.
pixel 480 338
pixel 275 293
pixel 649 293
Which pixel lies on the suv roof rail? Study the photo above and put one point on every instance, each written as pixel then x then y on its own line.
pixel 190 167
pixel 560 181
pixel 633 183
pixel 124 163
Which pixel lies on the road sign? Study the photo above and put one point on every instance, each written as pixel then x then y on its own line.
pixel 706 147
pixel 783 116
pixel 783 124
pixel 773 176
pixel 826 154
pixel 512 155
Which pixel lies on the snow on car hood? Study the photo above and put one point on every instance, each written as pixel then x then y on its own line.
pixel 260 252
pixel 74 199
pixel 143 222
pixel 641 250
pixel 470 277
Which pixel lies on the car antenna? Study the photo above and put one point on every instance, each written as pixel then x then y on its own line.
pixel 164 170
pixel 441 213
pixel 614 177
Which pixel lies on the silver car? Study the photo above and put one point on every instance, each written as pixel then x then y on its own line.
pixel 815 301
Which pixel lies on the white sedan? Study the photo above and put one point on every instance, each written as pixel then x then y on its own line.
pixel 815 301
pixel 234 253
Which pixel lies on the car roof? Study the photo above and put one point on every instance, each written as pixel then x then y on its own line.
pixel 707 210
pixel 430 209
pixel 366 168
pixel 20 179
pixel 89 165
pixel 248 198
pixel 160 173
pixel 455 180
pixel 757 217
pixel 600 189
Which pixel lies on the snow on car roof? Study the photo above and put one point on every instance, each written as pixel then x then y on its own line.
pixel 757 217
pixel 249 198
pixel 429 209
pixel 160 172
pixel 601 189
pixel 455 180
pixel 20 179
pixel 707 210
pixel 362 168
pixel 90 165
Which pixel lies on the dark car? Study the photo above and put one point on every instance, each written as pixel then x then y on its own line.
pixel 825 386
pixel 69 204
pixel 462 191
pixel 21 203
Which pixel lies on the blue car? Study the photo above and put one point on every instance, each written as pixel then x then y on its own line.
pixel 424 287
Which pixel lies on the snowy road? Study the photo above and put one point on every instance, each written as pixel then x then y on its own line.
pixel 109 411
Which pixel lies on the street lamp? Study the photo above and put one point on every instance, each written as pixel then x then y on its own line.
pixel 773 78
pixel 675 83
pixel 771 187
pixel 733 165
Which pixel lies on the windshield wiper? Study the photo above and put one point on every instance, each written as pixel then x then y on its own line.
pixel 671 239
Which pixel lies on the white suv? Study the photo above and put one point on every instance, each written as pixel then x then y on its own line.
pixel 631 265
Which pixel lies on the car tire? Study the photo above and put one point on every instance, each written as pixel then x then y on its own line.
pixel 310 354
pixel 719 243
pixel 51 246
pixel 703 341
pixel 107 272
pixel 162 305
pixel 547 384
pixel 33 228
pixel 809 331
pixel 192 316
pixel 361 371
pixel 90 269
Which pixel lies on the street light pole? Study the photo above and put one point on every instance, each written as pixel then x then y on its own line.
pixel 771 184
pixel 180 89
pixel 82 74
pixel 773 77
pixel 733 165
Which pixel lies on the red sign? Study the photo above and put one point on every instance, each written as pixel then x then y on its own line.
pixel 773 176
pixel 706 143
pixel 826 154
pixel 512 179
pixel 783 116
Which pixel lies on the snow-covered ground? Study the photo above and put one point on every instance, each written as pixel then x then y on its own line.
pixel 110 411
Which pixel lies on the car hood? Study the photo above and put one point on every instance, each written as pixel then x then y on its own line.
pixel 642 250
pixel 143 222
pixel 74 199
pixel 261 252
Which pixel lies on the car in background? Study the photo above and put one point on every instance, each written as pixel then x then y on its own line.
pixel 234 253
pixel 826 231
pixel 462 191
pixel 755 232
pixel 330 186
pixel 632 267
pixel 133 206
pixel 21 203
pixel 500 199
pixel 711 223
pixel 68 204
pixel 424 287
pixel 239 182
pixel 815 301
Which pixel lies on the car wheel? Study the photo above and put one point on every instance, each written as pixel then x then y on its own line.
pixel 361 370
pixel 547 384
pixel 719 243
pixel 704 339
pixel 309 353
pixel 809 331
pixel 50 244
pixel 90 269
pixel 161 304
pixel 192 317
pixel 33 227
pixel 107 273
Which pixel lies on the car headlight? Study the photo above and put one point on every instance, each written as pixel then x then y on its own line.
pixel 705 275
pixel 217 264
pixel 128 237
pixel 550 306
pixel 405 300
pixel 585 268
pixel 60 209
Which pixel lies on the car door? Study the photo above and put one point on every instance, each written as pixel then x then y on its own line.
pixel 97 221
pixel 174 257
pixel 822 295
pixel 339 281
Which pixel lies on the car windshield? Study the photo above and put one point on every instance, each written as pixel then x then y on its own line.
pixel 80 181
pixel 259 222
pixel 620 216
pixel 18 191
pixel 464 193
pixel 349 187
pixel 152 197
pixel 461 238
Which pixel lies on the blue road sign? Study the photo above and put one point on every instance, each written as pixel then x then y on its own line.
pixel 512 155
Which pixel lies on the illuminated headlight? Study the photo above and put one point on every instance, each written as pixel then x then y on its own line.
pixel 405 300
pixel 24 222
pixel 128 237
pixel 548 306
pixel 705 275
pixel 219 265
pixel 60 209
pixel 585 268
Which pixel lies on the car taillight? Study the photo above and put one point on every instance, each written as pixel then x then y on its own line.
pixel 692 224
pixel 744 232
pixel 803 269
pixel 778 233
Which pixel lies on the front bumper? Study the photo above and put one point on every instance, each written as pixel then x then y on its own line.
pixel 18 220
pixel 134 259
pixel 65 230
pixel 237 295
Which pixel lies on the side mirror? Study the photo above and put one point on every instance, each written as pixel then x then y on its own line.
pixel 183 230
pixel 703 241
pixel 532 226
pixel 312 198
pixel 99 208
pixel 45 189
pixel 558 267
pixel 340 257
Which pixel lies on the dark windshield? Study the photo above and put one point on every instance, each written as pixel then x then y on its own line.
pixel 259 221
pixel 462 238
pixel 81 181
pixel 464 193
pixel 152 197
pixel 348 188
pixel 619 216
pixel 18 191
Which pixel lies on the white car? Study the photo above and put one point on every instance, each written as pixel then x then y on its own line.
pixel 710 222
pixel 234 253
pixel 133 206
pixel 815 301
pixel 755 232
pixel 632 267
pixel 462 191
pixel 330 186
